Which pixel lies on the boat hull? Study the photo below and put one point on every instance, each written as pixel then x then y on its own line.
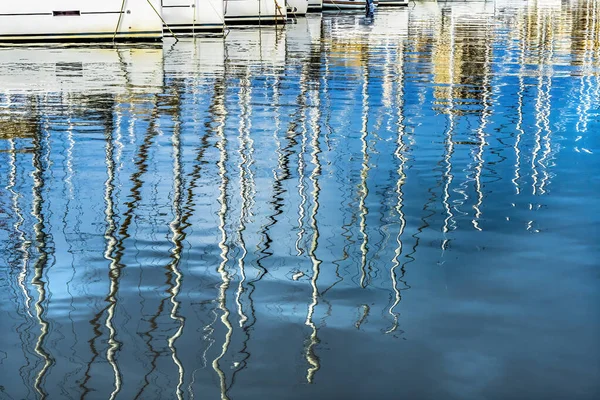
pixel 315 5
pixel 297 7
pixel 255 12
pixel 393 3
pixel 73 20
pixel 193 16
pixel 344 4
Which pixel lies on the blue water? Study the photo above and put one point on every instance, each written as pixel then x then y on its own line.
pixel 404 208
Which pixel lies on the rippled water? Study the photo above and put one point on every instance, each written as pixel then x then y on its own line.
pixel 406 208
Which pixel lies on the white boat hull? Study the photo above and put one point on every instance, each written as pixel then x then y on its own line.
pixel 39 20
pixel 315 5
pixel 296 7
pixel 344 4
pixel 193 16
pixel 255 12
pixel 390 3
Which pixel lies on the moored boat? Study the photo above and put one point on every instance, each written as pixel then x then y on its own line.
pixel 296 8
pixel 254 12
pixel 315 5
pixel 59 20
pixel 193 16
pixel 345 4
pixel 396 3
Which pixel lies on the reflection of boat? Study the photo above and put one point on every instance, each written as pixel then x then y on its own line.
pixel 194 57
pixel 390 25
pixel 193 15
pixel 249 47
pixel 240 12
pixel 303 35
pixel 36 20
pixel 78 69
pixel 296 7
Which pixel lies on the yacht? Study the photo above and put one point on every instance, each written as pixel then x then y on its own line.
pixel 255 12
pixel 60 20
pixel 396 3
pixel 296 8
pixel 193 16
pixel 315 5
pixel 341 5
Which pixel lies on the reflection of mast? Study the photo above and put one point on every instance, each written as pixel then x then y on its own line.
pixel 301 186
pixel 311 356
pixel 399 153
pixel 114 272
pixel 301 162
pixel 364 173
pixel 449 150
pixel 177 237
pixel 519 126
pixel 246 152
pixel 24 247
pixel 538 106
pixel 316 117
pixel 587 66
pixel 545 114
pixel 42 245
pixel 215 109
pixel 246 182
pixel 115 250
pixel 225 278
pixel 481 132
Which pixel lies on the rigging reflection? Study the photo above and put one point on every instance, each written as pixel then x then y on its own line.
pixel 43 252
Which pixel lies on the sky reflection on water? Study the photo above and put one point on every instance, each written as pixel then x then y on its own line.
pixel 332 210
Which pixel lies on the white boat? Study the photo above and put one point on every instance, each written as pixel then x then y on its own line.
pixel 255 12
pixel 395 3
pixel 193 16
pixel 315 5
pixel 296 8
pixel 39 20
pixel 341 5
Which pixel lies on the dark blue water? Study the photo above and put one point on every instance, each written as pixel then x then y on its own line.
pixel 340 209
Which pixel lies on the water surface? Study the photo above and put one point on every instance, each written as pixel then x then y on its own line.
pixel 339 208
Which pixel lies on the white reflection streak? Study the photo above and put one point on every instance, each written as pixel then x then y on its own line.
pixel 538 110
pixel 400 147
pixel 449 141
pixel 481 131
pixel 301 180
pixel 176 236
pixel 244 139
pixel 24 243
pixel 114 271
pixel 40 237
pixel 225 278
pixel 364 173
pixel 519 126
pixel 583 107
pixel 545 115
pixel 311 357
